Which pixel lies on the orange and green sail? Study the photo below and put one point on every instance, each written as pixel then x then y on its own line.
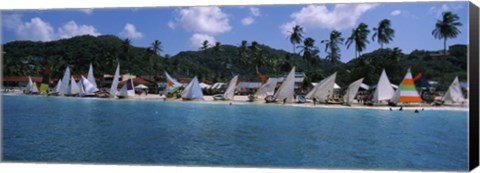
pixel 407 91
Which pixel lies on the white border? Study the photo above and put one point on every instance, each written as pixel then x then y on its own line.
pixel 77 4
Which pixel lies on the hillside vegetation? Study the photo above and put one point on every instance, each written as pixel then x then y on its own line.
pixel 220 62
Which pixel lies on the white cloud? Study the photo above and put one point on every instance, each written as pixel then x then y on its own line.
pixel 342 16
pixel 197 40
pixel 205 20
pixel 255 11
pixel 71 29
pixel 172 25
pixel 396 13
pixel 38 30
pixel 88 11
pixel 247 21
pixel 438 10
pixel 130 31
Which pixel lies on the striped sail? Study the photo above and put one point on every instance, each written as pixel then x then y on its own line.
pixel 172 84
pixel 407 92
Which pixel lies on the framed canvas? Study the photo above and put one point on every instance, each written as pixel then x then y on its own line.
pixel 308 86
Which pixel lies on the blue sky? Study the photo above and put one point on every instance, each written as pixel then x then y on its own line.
pixel 184 28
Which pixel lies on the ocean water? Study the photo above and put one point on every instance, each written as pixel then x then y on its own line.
pixel 73 130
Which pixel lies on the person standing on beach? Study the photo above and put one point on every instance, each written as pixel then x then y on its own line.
pixel 314 101
pixel 284 100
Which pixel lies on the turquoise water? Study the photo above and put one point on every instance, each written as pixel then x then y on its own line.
pixel 73 130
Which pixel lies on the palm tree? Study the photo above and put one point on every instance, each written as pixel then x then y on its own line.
pixel 257 57
pixel 447 28
pixel 125 51
pixel 296 36
pixel 332 43
pixel 217 48
pixel 242 52
pixel 308 49
pixel 156 48
pixel 205 46
pixel 384 33
pixel 359 37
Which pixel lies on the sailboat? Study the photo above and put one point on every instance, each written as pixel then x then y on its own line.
pixel 384 90
pixel 323 91
pixel 406 92
pixel 286 91
pixel 454 93
pixel 192 91
pixel 34 89
pixel 89 88
pixel 230 92
pixel 29 86
pixel 64 89
pixel 81 92
pixel 56 90
pixel 73 89
pixel 127 89
pixel 172 86
pixel 352 91
pixel 113 89
pixel 267 89
pixel 90 76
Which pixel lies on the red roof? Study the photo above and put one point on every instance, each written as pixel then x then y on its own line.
pixel 21 79
pixel 136 81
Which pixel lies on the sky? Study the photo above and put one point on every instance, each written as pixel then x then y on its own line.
pixel 185 28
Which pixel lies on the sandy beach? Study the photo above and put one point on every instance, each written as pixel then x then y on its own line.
pixel 243 100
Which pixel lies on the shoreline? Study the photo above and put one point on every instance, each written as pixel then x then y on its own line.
pixel 243 100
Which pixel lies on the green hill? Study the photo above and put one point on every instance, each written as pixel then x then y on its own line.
pixel 219 63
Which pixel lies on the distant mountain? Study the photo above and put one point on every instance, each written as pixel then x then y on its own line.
pixel 222 62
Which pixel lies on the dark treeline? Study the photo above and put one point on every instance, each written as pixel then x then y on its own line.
pixel 220 62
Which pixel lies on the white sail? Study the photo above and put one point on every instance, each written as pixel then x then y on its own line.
pixel 230 92
pixel 172 84
pixel 90 76
pixel 90 89
pixel 352 91
pixel 324 89
pixel 123 91
pixel 29 86
pixel 81 91
pixel 57 88
pixel 267 89
pixel 454 92
pixel 34 88
pixel 384 90
pixel 192 91
pixel 65 89
pixel 286 91
pixel 74 89
pixel 113 88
